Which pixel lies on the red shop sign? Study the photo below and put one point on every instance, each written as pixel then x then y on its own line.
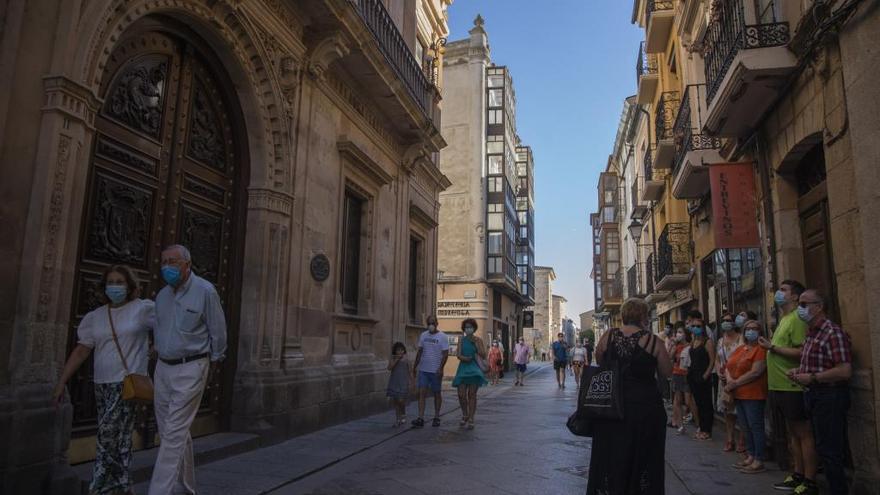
pixel 734 208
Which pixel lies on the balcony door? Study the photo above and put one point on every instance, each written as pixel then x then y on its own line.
pixel 165 168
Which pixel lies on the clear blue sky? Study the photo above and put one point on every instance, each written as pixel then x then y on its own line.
pixel 573 63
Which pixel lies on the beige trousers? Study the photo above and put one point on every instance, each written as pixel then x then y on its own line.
pixel 178 393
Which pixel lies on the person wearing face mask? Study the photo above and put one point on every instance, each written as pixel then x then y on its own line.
pixel 191 343
pixel 429 363
pixel 559 354
pixel 825 370
pixel 681 392
pixel 521 353
pixel 786 396
pixel 469 377
pixel 730 341
pixel 578 360
pixel 746 373
pixel 132 320
pixel 702 362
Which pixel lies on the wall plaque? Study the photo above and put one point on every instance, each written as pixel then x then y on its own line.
pixel 320 267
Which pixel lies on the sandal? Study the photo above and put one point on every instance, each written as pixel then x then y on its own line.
pixel 463 422
pixel 753 469
pixel 470 425
pixel 728 447
pixel 435 422
pixel 741 449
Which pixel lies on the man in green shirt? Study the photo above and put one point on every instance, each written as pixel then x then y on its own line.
pixel 786 396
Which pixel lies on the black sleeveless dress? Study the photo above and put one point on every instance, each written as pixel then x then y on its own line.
pixel 628 456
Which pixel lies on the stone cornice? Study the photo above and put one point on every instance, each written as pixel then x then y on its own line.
pixel 364 163
pixel 270 200
pixel 71 98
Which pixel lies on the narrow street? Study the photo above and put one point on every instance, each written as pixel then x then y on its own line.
pixel 520 446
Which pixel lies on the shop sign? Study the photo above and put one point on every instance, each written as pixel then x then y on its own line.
pixel 733 205
pixel 676 299
pixel 461 309
pixel 528 319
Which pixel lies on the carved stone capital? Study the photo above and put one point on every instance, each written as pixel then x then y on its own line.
pixel 326 51
pixel 270 200
pixel 71 98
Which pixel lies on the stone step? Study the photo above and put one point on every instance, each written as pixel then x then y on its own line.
pixel 206 449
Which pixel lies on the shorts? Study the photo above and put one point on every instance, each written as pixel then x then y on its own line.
pixel 558 365
pixel 521 368
pixel 789 404
pixel 577 363
pixel 430 381
pixel 680 384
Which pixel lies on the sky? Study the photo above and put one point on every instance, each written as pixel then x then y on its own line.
pixel 573 63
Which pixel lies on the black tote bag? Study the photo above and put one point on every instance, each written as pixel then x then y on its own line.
pixel 600 397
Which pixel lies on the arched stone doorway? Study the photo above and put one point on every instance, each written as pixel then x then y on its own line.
pixel 168 165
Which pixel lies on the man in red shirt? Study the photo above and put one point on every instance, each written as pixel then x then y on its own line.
pixel 825 370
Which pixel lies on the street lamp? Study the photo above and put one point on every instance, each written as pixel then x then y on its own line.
pixel 635 230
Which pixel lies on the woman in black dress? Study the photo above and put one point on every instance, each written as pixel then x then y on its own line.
pixel 699 376
pixel 628 456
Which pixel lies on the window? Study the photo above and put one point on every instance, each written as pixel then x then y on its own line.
pixel 415 254
pixel 495 184
pixel 494 264
pixel 496 98
pixel 496 164
pixel 496 81
pixel 496 221
pixel 494 243
pixel 351 252
pixel 496 117
pixel 420 53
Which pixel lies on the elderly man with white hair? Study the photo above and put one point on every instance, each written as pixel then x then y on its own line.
pixel 190 338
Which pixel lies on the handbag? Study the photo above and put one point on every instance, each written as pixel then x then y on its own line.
pixel 600 397
pixel 135 388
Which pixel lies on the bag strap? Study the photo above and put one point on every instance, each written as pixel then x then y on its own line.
pixel 116 340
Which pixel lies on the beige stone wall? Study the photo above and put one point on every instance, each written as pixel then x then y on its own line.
pixel 544 277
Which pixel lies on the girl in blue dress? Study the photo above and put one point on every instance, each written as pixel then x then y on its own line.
pixel 469 376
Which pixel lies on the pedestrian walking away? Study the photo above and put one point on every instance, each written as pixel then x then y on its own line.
pixel 190 340
pixel 429 363
pixel 521 353
pixel 469 377
pixel 702 360
pixel 786 396
pixel 628 456
pixel 559 355
pixel 399 381
pixel 745 374
pixel 118 335
pixel 578 360
pixel 825 370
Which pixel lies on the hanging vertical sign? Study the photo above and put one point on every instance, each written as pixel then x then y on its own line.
pixel 733 205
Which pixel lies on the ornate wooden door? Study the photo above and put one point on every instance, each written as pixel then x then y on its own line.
pixel 164 169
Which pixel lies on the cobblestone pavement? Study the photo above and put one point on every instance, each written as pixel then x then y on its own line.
pixel 520 446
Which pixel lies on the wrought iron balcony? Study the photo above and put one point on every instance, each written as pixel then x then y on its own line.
pixel 673 256
pixel 747 62
pixel 398 54
pixel 664 126
pixel 649 274
pixel 633 279
pixel 659 16
pixel 655 180
pixel 647 75
pixel 694 149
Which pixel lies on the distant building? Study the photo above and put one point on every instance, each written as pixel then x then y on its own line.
pixel 587 319
pixel 558 316
pixel 543 307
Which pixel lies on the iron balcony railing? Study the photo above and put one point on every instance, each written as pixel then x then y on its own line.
pixel 397 53
pixel 688 126
pixel 646 63
pixel 648 163
pixel 657 5
pixel 728 33
pixel 632 280
pixel 673 250
pixel 649 274
pixel 664 120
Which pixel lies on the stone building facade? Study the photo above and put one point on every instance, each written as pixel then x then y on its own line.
pixel 543 308
pixel 558 320
pixel 291 145
pixel 486 251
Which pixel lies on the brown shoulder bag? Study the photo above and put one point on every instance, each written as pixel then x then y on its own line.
pixel 135 388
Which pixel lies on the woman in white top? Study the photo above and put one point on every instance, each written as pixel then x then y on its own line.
pixel 132 319
pixel 578 358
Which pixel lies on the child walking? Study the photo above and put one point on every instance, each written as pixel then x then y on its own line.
pixel 398 381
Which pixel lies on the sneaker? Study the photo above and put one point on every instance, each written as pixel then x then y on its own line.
pixel 807 488
pixel 418 423
pixel 790 483
pixel 681 430
pixel 435 422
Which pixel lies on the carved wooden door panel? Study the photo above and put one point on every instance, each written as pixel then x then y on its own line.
pixel 163 170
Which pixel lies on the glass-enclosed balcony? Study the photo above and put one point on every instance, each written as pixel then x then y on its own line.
pixel 694 150
pixel 746 61
pixel 647 75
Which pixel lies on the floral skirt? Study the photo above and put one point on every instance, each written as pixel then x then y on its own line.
pixel 115 424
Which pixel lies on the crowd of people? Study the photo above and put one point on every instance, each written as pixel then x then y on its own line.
pixel 801 372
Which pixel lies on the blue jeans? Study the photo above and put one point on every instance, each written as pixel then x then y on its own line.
pixel 827 407
pixel 750 416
